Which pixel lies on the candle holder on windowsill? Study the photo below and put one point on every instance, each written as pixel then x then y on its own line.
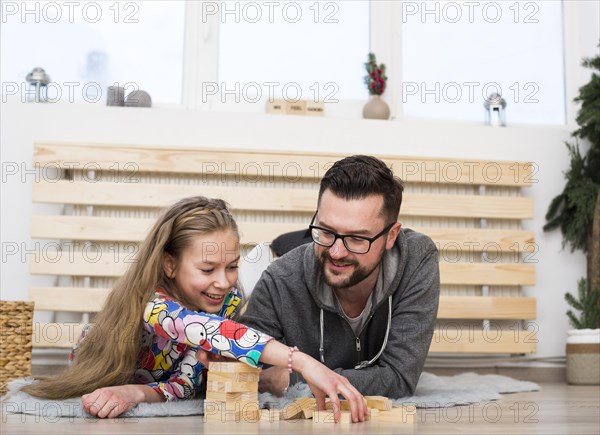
pixel 495 114
pixel 38 80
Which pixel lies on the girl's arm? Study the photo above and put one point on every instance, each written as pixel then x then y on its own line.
pixel 170 320
pixel 184 383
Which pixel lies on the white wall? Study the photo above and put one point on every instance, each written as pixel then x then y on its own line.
pixel 22 124
pixel 557 270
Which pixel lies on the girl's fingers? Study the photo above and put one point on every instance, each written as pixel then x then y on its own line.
pixel 108 408
pixel 335 402
pixel 354 411
pixel 96 405
pixel 355 400
pixel 320 398
pixel 118 409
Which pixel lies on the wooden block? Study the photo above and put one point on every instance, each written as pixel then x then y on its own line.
pixel 277 107
pixel 218 412
pixel 373 414
pixel 219 396
pixel 270 415
pixel 315 109
pixel 344 404
pixel 402 414
pixel 308 411
pixel 232 387
pixel 232 367
pixel 296 409
pixel 379 402
pixel 296 108
pixel 233 377
pixel 327 417
pixel 232 416
pixel 240 405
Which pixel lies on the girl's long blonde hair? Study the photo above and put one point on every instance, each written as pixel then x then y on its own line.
pixel 109 354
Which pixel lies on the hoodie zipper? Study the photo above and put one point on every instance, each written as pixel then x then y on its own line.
pixel 357 344
pixel 357 339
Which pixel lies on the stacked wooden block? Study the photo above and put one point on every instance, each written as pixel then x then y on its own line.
pixel 232 396
pixel 232 393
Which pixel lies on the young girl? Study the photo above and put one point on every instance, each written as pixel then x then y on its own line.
pixel 172 306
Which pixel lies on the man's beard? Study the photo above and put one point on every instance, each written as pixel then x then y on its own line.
pixel 358 275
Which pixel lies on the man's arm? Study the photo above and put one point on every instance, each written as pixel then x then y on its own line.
pixel 261 313
pixel 263 309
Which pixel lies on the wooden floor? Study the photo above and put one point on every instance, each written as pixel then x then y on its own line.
pixel 556 409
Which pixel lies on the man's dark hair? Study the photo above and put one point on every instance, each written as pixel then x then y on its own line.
pixel 359 176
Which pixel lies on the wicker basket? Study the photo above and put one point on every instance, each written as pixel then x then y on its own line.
pixel 15 341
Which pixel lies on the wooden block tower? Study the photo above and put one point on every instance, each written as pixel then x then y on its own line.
pixel 232 393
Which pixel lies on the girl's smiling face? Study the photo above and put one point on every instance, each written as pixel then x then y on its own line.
pixel 207 270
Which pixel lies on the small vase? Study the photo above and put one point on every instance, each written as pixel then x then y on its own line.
pixel 376 108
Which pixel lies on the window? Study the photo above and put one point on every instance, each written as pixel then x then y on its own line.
pixel 455 53
pixel 293 50
pixel 87 46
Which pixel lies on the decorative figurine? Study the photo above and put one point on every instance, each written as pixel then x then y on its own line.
pixel 494 110
pixel 38 79
pixel 138 98
pixel 115 96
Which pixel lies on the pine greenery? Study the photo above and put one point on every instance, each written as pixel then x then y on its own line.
pixel 573 210
pixel 576 211
pixel 586 304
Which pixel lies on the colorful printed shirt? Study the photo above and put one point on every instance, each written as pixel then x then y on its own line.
pixel 172 334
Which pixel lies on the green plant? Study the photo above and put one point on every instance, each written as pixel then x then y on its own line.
pixel 375 78
pixel 576 211
pixel 586 304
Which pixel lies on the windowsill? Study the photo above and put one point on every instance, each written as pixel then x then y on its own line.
pixel 352 112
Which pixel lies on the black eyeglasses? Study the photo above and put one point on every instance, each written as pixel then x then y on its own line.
pixel 355 244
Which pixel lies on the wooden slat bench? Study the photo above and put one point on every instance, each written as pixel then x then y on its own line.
pixel 109 195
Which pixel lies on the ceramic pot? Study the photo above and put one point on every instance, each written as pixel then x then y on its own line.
pixel 376 109
pixel 583 356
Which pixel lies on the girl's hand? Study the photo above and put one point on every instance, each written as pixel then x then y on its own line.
pixel 324 382
pixel 110 402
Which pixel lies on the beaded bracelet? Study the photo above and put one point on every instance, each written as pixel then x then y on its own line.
pixel 291 351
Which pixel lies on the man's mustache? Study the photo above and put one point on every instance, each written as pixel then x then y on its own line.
pixel 325 256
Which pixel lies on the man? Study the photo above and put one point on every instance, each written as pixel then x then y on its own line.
pixel 363 297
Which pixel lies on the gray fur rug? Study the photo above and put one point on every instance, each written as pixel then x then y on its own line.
pixel 432 392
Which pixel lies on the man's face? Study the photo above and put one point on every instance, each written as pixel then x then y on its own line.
pixel 360 217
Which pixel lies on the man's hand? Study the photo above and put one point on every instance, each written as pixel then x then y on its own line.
pixel 274 380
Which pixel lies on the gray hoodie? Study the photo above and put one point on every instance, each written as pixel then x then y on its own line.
pixel 292 303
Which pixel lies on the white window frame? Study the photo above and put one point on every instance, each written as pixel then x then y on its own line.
pixel 201 53
pixel 201 58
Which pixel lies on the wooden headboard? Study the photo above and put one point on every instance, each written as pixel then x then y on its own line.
pixel 107 197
